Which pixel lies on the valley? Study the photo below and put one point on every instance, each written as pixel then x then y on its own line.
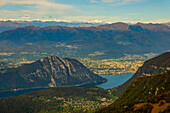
pixel 84 56
pixel 122 65
pixel 143 93
pixel 112 66
pixel 98 60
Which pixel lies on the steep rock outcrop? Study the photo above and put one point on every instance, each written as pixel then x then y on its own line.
pixel 48 72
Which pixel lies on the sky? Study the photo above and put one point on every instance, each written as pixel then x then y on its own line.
pixel 148 11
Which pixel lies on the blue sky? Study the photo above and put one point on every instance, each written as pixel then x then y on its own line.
pixel 87 10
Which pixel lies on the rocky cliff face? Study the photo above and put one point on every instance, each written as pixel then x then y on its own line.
pixel 154 66
pixel 48 72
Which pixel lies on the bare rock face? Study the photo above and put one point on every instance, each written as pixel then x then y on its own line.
pixel 49 72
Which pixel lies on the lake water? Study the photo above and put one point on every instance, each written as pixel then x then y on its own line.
pixel 19 92
pixel 114 80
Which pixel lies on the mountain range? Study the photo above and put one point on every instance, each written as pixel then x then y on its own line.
pixel 8 25
pixel 110 40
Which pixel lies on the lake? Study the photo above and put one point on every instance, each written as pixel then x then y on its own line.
pixel 114 80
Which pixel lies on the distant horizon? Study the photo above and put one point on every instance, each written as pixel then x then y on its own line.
pixel 67 21
pixel 106 11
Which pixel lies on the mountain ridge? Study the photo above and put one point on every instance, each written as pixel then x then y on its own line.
pixel 110 42
pixel 157 65
pixel 50 71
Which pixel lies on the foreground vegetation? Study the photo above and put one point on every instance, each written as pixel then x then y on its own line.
pixel 62 99
pixel 143 95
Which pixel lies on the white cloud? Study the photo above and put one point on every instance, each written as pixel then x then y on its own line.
pixel 19 15
pixel 90 18
pixel 3 2
pixel 41 7
pixel 94 1
pixel 43 3
pixel 111 0
pixel 135 19
pixel 121 2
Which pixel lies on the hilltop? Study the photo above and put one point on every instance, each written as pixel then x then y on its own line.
pixel 50 71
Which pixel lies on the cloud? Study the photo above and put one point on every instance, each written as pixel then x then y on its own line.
pixel 94 1
pixel 26 11
pixel 4 2
pixel 19 15
pixel 91 18
pixel 37 3
pixel 123 2
pixel 43 3
pixel 135 19
pixel 40 7
pixel 111 0
pixel 25 17
pixel 132 14
pixel 117 2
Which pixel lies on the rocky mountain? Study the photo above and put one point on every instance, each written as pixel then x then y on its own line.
pixel 48 72
pixel 154 66
pixel 8 25
pixel 148 94
pixel 111 40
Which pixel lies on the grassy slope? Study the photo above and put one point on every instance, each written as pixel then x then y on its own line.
pixel 143 95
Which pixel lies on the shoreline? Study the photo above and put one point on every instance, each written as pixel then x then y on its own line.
pixel 19 89
pixel 117 73
pixel 78 85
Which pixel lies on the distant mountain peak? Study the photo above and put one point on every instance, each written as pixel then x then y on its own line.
pixel 115 26
pixel 154 27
